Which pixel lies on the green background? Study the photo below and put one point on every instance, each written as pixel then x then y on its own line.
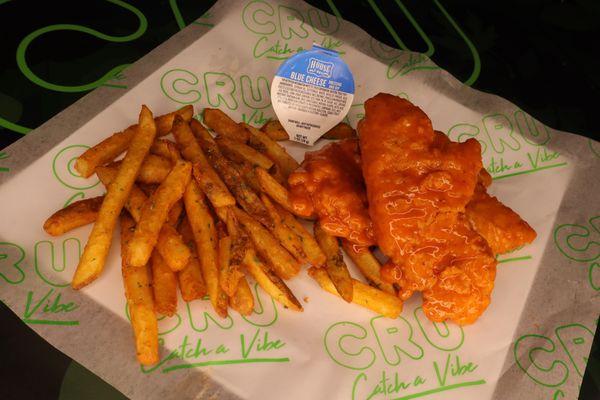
pixel 540 55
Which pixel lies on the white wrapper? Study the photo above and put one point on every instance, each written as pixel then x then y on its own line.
pixel 532 342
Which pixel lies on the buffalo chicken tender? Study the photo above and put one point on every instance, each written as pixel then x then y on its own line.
pixel 418 184
pixel 329 185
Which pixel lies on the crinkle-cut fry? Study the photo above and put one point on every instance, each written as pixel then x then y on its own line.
pixel 108 149
pixel 155 213
pixel 73 216
pixel 263 143
pixel 205 235
pixel 154 169
pixel 166 149
pixel 96 249
pixel 366 296
pixel 286 236
pixel 274 189
pixel 138 292
pixel 209 181
pixel 314 254
pixel 340 131
pixel 270 282
pixel 275 130
pixel 229 274
pixel 244 195
pixel 368 265
pixel 240 152
pixel 191 281
pixel 164 286
pixel 220 122
pixel 170 245
pixel 335 266
pixel 242 300
pixel 284 265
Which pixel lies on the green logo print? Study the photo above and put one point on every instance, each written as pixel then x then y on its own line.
pixel 550 362
pixel 63 168
pixel 279 29
pixel 11 256
pixel 57 269
pixel 581 243
pixel 262 316
pixel 394 340
pixel 4 156
pixel 177 84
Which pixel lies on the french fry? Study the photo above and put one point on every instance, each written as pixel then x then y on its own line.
pixel 155 213
pixel 270 282
pixel 138 292
pixel 94 255
pixel 207 178
pixel 205 235
pixel 242 300
pixel 166 149
pixel 286 236
pixel 240 152
pixel 73 216
pixel 170 245
pixel 340 131
pixel 154 169
pixel 249 175
pixel 164 285
pixel 335 266
pixel 314 254
pixel 108 149
pixel 220 122
pixel 175 213
pixel 368 265
pixel 275 130
pixel 277 192
pixel 244 195
pixel 191 281
pixel 147 188
pixel 268 247
pixel 229 274
pixel 366 296
pixel 263 143
pixel 276 173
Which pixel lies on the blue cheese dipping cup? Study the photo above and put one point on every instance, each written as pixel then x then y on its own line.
pixel 311 93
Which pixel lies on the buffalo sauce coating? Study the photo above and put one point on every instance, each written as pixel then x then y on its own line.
pixel 418 184
pixel 329 185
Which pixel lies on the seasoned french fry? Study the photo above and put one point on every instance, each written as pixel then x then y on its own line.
pixel 366 296
pixel 108 149
pixel 164 285
pixel 166 149
pixel 270 282
pixel 138 292
pixel 175 213
pixel 244 195
pixel 229 274
pixel 263 143
pixel 239 152
pixel 249 175
pixel 268 247
pixel 286 236
pixel 314 254
pixel 242 300
pixel 277 192
pixel 170 245
pixel 155 213
pixel 94 255
pixel 335 266
pixel 275 130
pixel 220 122
pixel 340 131
pixel 207 178
pixel 205 234
pixel 276 173
pixel 73 216
pixel 191 281
pixel 368 265
pixel 154 169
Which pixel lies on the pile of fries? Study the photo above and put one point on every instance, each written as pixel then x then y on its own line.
pixel 205 213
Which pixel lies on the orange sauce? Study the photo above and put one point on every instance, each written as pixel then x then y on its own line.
pixel 329 185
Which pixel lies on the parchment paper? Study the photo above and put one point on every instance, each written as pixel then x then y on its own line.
pixel 532 342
